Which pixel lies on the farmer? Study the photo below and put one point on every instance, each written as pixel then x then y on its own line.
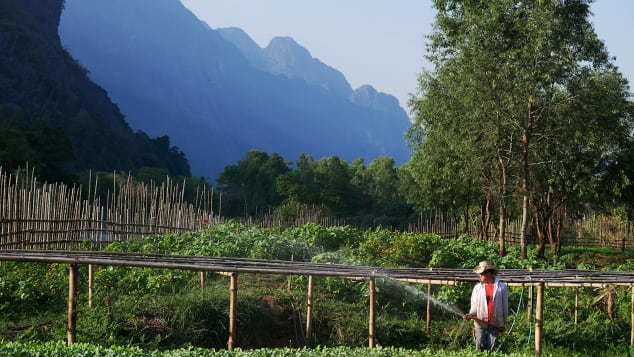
pixel 489 307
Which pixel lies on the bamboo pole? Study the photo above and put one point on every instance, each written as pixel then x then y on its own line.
pixel 529 305
pixel 611 296
pixel 539 315
pixel 309 309
pixel 232 310
pixel 289 287
pixel 72 292
pixel 432 281
pixel 576 306
pixel 428 317
pixel 91 282
pixel 372 319
pixel 203 278
pixel 632 316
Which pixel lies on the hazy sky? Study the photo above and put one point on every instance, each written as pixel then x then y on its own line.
pixel 379 42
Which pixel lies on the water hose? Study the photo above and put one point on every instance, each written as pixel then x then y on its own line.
pixel 513 324
pixel 484 322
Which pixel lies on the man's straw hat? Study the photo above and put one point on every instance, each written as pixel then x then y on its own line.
pixel 484 266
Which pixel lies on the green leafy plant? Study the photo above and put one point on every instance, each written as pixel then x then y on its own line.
pixel 162 309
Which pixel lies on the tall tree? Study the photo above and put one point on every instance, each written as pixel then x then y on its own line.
pixel 382 185
pixel 506 76
pixel 334 179
pixel 249 188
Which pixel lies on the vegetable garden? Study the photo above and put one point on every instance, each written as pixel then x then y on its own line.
pixel 165 309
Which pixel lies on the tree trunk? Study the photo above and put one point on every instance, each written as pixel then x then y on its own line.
pixel 502 230
pixel 539 227
pixel 466 213
pixel 560 221
pixel 524 227
pixel 551 234
pixel 486 217
pixel 549 222
pixel 542 214
pixel 525 183
pixel 502 209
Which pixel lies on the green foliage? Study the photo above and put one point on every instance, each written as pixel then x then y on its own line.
pixel 171 321
pixel 160 309
pixel 249 187
pixel 583 337
pixel 111 279
pixel 328 187
pixel 227 240
pixel 38 143
pixel 382 247
pixel 32 284
pixel 396 332
pixel 523 104
pixel 83 349
pixel 327 238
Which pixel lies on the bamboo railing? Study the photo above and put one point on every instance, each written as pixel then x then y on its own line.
pixel 233 266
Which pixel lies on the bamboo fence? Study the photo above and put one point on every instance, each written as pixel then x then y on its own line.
pixel 37 215
pixel 588 231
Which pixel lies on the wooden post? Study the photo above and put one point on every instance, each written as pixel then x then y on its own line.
pixel 632 317
pixel 428 308
pixel 289 287
pixel 576 306
pixel 309 309
pixel 91 283
pixel 539 323
pixel 611 296
pixel 372 321
pixel 72 292
pixel 203 276
pixel 232 310
pixel 529 303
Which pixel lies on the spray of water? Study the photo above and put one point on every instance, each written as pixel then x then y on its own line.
pixel 416 292
pixel 344 259
pixel 336 257
pixel 459 331
pixel 413 290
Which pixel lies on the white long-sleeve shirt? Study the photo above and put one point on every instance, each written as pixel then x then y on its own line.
pixel 500 304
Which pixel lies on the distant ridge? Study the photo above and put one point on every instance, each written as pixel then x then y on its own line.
pixel 217 94
pixel 285 56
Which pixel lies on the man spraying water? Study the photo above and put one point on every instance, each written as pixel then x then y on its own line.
pixel 489 307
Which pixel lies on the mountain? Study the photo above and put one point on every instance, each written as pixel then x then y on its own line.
pixel 172 74
pixel 41 82
pixel 285 56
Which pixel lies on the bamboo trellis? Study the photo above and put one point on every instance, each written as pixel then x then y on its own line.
pixel 234 266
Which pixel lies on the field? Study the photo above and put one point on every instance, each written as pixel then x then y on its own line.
pixel 165 312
